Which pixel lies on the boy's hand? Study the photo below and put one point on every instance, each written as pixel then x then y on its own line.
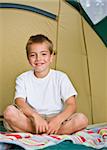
pixel 53 126
pixel 40 125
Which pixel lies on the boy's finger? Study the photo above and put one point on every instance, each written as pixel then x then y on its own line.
pixel 40 129
pixel 46 127
pixel 56 132
pixel 50 132
pixel 37 130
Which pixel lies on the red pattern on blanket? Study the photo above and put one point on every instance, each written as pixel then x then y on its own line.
pixel 96 138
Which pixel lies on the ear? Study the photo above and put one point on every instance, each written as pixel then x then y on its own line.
pixel 52 57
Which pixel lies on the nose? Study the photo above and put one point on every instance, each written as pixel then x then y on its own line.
pixel 38 57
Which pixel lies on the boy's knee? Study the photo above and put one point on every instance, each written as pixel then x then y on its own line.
pixel 83 119
pixel 9 112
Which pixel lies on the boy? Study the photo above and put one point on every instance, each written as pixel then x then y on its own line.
pixel 41 95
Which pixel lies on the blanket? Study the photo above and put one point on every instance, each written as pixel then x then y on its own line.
pixel 95 138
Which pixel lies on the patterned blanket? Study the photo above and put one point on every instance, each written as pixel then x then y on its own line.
pixel 96 138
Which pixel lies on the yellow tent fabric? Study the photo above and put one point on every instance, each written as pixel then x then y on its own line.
pixel 80 52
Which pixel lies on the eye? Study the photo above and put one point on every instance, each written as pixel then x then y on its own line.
pixel 31 55
pixel 44 54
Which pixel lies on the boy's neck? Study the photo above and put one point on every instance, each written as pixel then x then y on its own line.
pixel 41 74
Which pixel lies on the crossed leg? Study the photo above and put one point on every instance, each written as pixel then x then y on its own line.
pixel 75 122
pixel 16 120
pixel 20 123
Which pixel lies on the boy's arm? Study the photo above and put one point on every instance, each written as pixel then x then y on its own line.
pixel 56 122
pixel 25 108
pixel 39 123
pixel 70 108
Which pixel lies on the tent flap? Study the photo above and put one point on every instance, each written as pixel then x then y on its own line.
pixel 99 28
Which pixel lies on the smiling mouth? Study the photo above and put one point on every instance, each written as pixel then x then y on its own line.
pixel 39 64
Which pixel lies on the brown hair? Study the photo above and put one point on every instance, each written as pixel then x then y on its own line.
pixel 39 38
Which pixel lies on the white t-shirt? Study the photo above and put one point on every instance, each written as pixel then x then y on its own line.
pixel 46 95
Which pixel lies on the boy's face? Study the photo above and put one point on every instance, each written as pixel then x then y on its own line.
pixel 40 58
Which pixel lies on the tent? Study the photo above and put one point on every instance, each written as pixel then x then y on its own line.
pixel 80 47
